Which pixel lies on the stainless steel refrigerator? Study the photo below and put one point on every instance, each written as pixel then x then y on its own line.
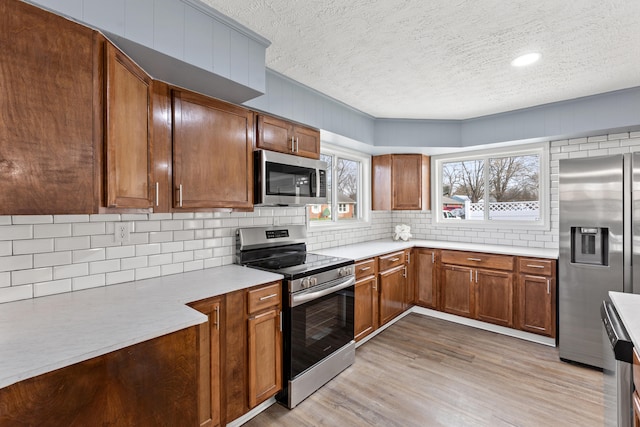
pixel 596 247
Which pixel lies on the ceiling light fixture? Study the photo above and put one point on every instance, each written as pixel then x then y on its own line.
pixel 526 59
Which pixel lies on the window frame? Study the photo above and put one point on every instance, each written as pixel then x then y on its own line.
pixel 540 149
pixel 363 203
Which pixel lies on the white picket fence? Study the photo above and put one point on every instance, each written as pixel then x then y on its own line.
pixel 504 211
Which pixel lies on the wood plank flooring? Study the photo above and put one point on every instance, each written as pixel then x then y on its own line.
pixel 423 371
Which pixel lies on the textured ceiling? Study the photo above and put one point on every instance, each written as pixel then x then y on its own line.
pixel 447 59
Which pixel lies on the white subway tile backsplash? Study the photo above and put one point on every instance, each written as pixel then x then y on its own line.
pixel 32 219
pixel 15 293
pixel 193 224
pixel 51 259
pixel 16 262
pixel 171 225
pixel 196 265
pixel 160 259
pixel 120 252
pixel 182 256
pixel 5 220
pixel 193 245
pixel 212 262
pixel 6 247
pixel 203 234
pixel 104 217
pixel 146 226
pixel 133 263
pixel 15 232
pixel 138 239
pixel 148 272
pixel 103 241
pixel 86 255
pixel 172 269
pixel 160 216
pixel 72 243
pixel 161 236
pixel 23 277
pixel 62 219
pixel 88 229
pixel 107 266
pixel 72 270
pixel 52 287
pixel 134 217
pixel 150 249
pixel 172 247
pixel 120 277
pixel 5 279
pixel 88 282
pixel 184 235
pixel 22 247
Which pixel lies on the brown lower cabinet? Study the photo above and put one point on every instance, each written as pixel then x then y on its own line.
pixel 153 383
pixel 515 292
pixel 636 384
pixel 392 276
pixel 366 298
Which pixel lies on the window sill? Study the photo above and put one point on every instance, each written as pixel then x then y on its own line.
pixel 333 226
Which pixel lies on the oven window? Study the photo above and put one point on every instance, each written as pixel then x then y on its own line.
pixel 320 327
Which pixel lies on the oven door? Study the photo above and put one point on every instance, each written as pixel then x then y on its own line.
pixel 321 323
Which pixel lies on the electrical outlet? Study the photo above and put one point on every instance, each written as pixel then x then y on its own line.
pixel 121 233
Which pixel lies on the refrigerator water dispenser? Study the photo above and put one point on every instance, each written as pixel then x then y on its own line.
pixel 590 245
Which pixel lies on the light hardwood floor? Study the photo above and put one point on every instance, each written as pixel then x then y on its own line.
pixel 423 371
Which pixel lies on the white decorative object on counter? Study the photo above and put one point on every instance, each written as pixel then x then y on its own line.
pixel 403 232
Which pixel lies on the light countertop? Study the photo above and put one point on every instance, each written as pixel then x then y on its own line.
pixel 370 249
pixel 44 334
pixel 628 307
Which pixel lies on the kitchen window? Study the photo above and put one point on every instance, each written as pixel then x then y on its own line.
pixel 493 188
pixel 348 189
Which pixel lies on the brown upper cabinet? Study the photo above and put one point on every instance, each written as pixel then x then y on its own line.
pixel 212 153
pixel 127 140
pixel 285 137
pixel 400 182
pixel 50 113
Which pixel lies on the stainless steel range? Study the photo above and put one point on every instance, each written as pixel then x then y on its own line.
pixel 318 306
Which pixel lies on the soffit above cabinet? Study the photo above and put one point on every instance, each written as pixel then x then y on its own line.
pixel 183 42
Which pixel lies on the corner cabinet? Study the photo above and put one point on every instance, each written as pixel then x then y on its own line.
pixel 426 277
pixel 537 296
pixel 285 137
pixel 212 153
pixel 128 157
pixel 401 182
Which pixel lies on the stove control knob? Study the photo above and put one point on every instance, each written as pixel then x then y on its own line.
pixel 305 283
pixel 344 271
pixel 313 281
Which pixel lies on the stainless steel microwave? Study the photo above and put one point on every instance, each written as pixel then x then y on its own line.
pixel 283 179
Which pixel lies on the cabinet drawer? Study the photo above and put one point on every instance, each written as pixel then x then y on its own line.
pixel 264 297
pixel 475 259
pixel 386 262
pixel 540 267
pixel 365 268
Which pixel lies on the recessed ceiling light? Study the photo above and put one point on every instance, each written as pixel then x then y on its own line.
pixel 526 59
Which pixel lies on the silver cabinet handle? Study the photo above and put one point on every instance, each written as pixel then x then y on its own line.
pixel 394 259
pixel 280 314
pixel 405 272
pixel 471 276
pixel 217 310
pixel 157 193
pixel 535 266
pixel 474 259
pixel 268 297
pixel 293 148
pixel 180 196
pixel 297 144
pixel 548 287
pixel 365 268
pixel 476 276
pixel 433 257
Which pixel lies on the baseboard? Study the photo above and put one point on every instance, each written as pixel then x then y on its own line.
pixel 252 413
pixel 551 342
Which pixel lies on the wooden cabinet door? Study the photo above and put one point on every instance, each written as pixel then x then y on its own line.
pixel 209 381
pixel 457 287
pixel 128 148
pixel 366 307
pixel 392 288
pixel 410 293
pixel 51 113
pixel 307 142
pixel 494 296
pixel 535 304
pixel 274 134
pixel 381 182
pixel 425 277
pixel 407 182
pixel 265 356
pixel 212 153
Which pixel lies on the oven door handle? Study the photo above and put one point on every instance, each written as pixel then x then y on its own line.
pixel 298 299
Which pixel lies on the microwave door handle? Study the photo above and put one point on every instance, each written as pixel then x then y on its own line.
pixel 314 183
pixel 296 300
